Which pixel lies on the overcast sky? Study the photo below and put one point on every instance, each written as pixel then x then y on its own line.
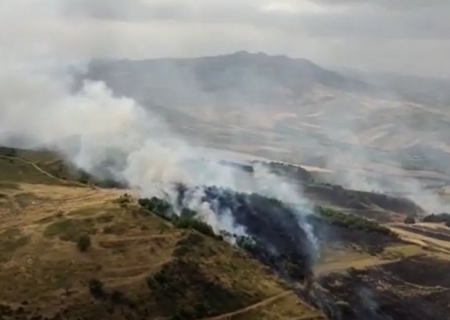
pixel 406 36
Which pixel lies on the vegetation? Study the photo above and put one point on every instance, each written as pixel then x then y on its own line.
pixel 352 221
pixel 193 244
pixel 287 170
pixel 206 296
pixel 96 288
pixel 84 242
pixel 10 241
pixel 157 206
pixel 194 275
pixel 186 220
pixel 69 229
pixel 124 200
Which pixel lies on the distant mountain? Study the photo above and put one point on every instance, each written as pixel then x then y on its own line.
pixel 228 80
pixel 293 110
pixel 418 89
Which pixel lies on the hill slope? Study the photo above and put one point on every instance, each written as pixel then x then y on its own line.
pixel 69 251
pixel 265 105
pixel 73 251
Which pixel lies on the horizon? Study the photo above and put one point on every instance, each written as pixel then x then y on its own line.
pixel 334 68
pixel 370 35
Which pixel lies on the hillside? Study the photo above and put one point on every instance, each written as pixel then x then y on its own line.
pixel 70 251
pixel 264 105
pixel 235 80
pixel 76 251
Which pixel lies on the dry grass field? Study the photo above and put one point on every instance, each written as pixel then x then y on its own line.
pixel 135 265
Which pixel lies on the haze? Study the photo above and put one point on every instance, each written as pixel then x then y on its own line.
pixel 409 37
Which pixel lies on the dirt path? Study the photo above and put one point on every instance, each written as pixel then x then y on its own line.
pixel 252 307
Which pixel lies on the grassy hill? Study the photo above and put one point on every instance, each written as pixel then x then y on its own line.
pixel 69 251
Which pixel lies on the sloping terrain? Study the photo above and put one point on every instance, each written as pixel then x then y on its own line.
pixel 70 251
pixel 265 105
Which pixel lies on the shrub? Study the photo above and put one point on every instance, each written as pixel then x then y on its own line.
pixel 157 206
pixel 124 200
pixel 96 288
pixel 84 242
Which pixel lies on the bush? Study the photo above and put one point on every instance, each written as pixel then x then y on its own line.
pixel 96 288
pixel 84 242
pixel 124 200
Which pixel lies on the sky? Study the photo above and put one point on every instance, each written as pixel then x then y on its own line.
pixel 400 36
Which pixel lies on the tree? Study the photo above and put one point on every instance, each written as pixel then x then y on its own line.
pixel 84 242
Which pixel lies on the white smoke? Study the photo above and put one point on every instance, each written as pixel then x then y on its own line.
pixel 108 135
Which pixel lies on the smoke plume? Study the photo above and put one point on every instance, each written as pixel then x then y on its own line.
pixel 107 135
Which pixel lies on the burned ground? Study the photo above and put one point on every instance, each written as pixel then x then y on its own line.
pixel 439 234
pixel 373 205
pixel 360 200
pixel 410 289
pixel 275 229
pixel 421 271
pixel 277 232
